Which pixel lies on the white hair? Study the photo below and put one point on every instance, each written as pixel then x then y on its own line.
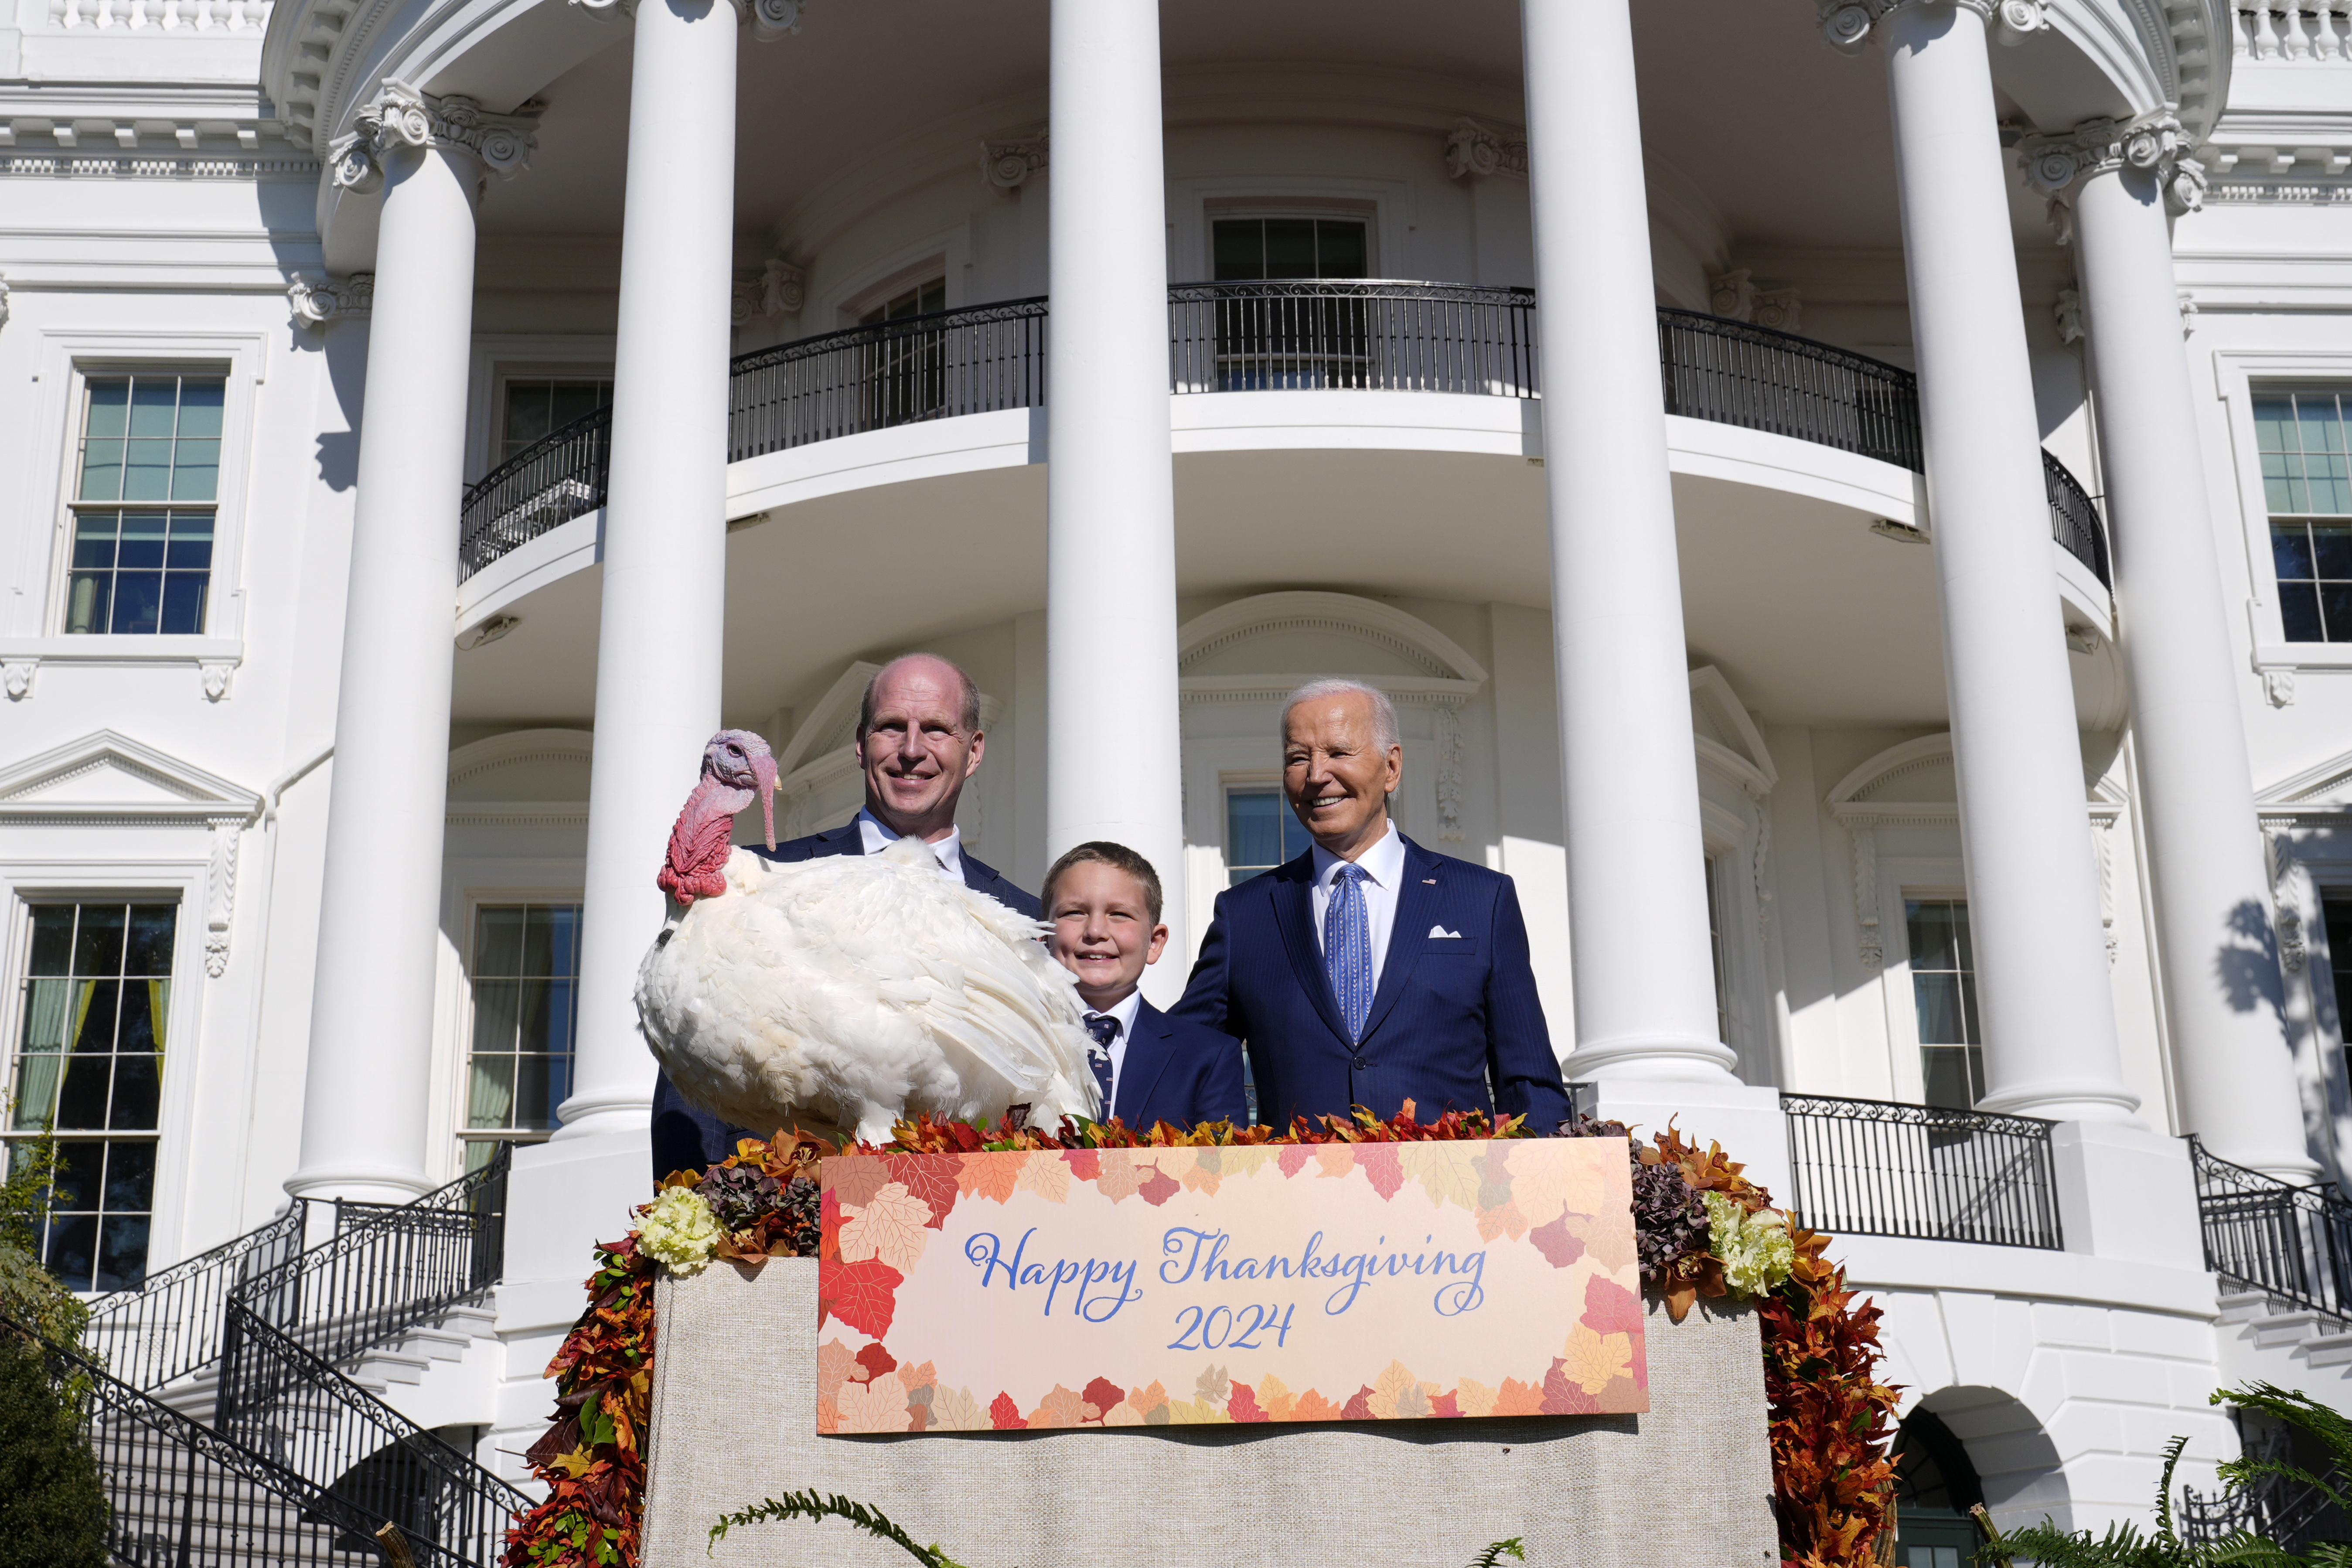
pixel 1384 718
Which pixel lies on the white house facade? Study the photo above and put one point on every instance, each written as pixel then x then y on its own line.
pixel 1851 498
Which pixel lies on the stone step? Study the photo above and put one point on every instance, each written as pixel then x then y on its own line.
pixel 2245 1306
pixel 2328 1350
pixel 2286 1328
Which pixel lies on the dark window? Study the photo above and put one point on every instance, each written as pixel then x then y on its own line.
pixel 153 439
pixel 1934 1486
pixel 1944 993
pixel 1261 833
pixel 2308 486
pixel 526 979
pixel 1290 337
pixel 90 1065
pixel 906 373
pixel 1249 249
pixel 538 409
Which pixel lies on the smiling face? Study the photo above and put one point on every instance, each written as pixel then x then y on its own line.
pixel 917 753
pixel 1337 775
pixel 1103 931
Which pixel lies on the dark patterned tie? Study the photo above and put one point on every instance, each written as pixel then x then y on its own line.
pixel 1105 1030
pixel 1348 948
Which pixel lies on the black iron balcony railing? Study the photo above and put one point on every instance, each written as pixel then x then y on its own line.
pixel 1865 1167
pixel 170 1326
pixel 2261 1234
pixel 1345 334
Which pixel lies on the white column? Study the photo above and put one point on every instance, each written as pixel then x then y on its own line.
pixel 658 651
pixel 1112 751
pixel 2033 899
pixel 1644 981
pixel 2223 993
pixel 364 1098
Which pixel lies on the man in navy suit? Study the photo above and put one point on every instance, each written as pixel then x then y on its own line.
pixel 1104 901
pixel 918 740
pixel 1369 971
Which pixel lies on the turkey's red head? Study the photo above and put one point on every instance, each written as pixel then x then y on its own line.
pixel 736 766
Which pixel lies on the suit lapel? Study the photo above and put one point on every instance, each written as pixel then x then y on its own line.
pixel 1149 1053
pixel 1294 911
pixel 1418 903
pixel 843 840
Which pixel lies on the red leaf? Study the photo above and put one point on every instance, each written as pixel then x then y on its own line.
pixel 1157 1187
pixel 861 1294
pixel 829 1237
pixel 856 1177
pixel 876 1361
pixel 1085 1166
pixel 1243 1406
pixel 932 1178
pixel 1447 1405
pixel 1559 1248
pixel 1005 1413
pixel 1102 1394
pixel 1611 1309
pixel 1293 1158
pixel 1378 1162
pixel 1562 1397
pixel 1360 1408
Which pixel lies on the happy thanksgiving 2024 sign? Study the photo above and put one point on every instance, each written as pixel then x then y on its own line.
pixel 1287 1282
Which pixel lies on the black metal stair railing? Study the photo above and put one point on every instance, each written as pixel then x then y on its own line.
pixel 1355 334
pixel 1868 1167
pixel 2294 1243
pixel 170 1326
pixel 181 1493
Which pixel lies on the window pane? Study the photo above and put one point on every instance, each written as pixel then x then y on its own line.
pixel 200 408
pixel 191 545
pixel 1289 247
pixel 534 1106
pixel 110 407
pixel 1254 828
pixel 82 1101
pixel 71 1250
pixel 95 533
pixel 155 407
pixel 183 605
pixel 150 948
pixel 101 470
pixel 525 990
pixel 490 1101
pixel 1239 248
pixel 1945 1071
pixel 1934 944
pixel 2291 550
pixel 53 927
pixel 130 1177
pixel 2331 549
pixel 497 944
pixel 1937 1000
pixel 2299 612
pixel 121 1253
pixel 138 603
pixel 2335 610
pixel 1339 249
pixel 195 471
pixel 141 540
pixel 147 470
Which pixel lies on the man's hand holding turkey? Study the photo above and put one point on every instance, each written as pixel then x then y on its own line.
pixel 919 742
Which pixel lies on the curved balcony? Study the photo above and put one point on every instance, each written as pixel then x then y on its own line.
pixel 1372 335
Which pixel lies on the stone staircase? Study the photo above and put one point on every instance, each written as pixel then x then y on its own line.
pixel 2277 1341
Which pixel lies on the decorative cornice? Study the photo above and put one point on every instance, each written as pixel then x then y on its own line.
pixel 1735 297
pixel 316 304
pixel 1007 166
pixel 2153 142
pixel 1848 23
pixel 770 19
pixel 781 289
pixel 1474 151
pixel 403 117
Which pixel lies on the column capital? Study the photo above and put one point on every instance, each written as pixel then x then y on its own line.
pixel 2056 165
pixel 401 116
pixel 315 304
pixel 1848 23
pixel 770 19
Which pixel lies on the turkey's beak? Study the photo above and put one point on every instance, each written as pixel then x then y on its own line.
pixel 763 774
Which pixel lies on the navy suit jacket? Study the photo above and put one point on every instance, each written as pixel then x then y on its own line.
pixel 1179 1071
pixel 1452 1013
pixel 688 1138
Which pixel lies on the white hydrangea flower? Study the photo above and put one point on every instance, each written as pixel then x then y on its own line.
pixel 678 1231
pixel 1755 1248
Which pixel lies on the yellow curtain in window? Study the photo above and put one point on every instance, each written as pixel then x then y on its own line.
pixel 81 1012
pixel 159 1002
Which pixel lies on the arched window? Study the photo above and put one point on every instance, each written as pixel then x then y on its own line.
pixel 1934 1486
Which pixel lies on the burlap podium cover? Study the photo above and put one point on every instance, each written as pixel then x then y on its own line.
pixel 734 1421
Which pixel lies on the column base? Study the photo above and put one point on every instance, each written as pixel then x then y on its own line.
pixel 604 1116
pixel 1651 1058
pixel 364 1184
pixel 2068 1099
pixel 2127 1193
pixel 1746 1120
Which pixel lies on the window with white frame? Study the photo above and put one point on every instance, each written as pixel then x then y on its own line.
pixel 2306 462
pixel 1944 997
pixel 2335 920
pixel 146 494
pixel 906 374
pixel 95 1002
pixel 1252 249
pixel 526 995
pixel 538 407
pixel 1261 833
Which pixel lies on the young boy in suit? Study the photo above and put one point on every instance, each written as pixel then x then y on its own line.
pixel 1104 902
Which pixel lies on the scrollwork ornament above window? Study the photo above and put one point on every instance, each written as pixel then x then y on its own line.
pixel 1475 151
pixel 1007 166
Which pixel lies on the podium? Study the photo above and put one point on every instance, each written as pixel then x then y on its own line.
pixel 734 1421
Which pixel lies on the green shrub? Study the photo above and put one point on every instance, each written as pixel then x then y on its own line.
pixel 52 1504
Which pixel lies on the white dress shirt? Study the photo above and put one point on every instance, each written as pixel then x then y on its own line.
pixel 1383 866
pixel 1125 1013
pixel 877 836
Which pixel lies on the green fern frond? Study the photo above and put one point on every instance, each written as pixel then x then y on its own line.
pixel 2301 1411
pixel 2164 1530
pixel 813 1505
pixel 1498 1551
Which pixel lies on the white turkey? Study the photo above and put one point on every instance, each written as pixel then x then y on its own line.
pixel 847 990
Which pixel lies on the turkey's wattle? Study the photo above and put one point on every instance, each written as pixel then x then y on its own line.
pixel 736 765
pixel 840 993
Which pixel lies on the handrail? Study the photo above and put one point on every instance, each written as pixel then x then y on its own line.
pixel 2292 1243
pixel 1868 1167
pixel 1357 334
pixel 181 1491
pixel 170 1326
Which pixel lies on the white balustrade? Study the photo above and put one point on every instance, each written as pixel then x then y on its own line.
pixel 2293 31
pixel 250 16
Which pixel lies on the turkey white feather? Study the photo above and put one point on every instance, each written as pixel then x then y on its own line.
pixel 847 990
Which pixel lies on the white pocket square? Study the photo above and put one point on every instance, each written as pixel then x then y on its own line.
pixel 1436 932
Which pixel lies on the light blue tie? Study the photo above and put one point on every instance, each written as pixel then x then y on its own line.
pixel 1348 948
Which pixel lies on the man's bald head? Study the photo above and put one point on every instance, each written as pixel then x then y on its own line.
pixel 932 664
